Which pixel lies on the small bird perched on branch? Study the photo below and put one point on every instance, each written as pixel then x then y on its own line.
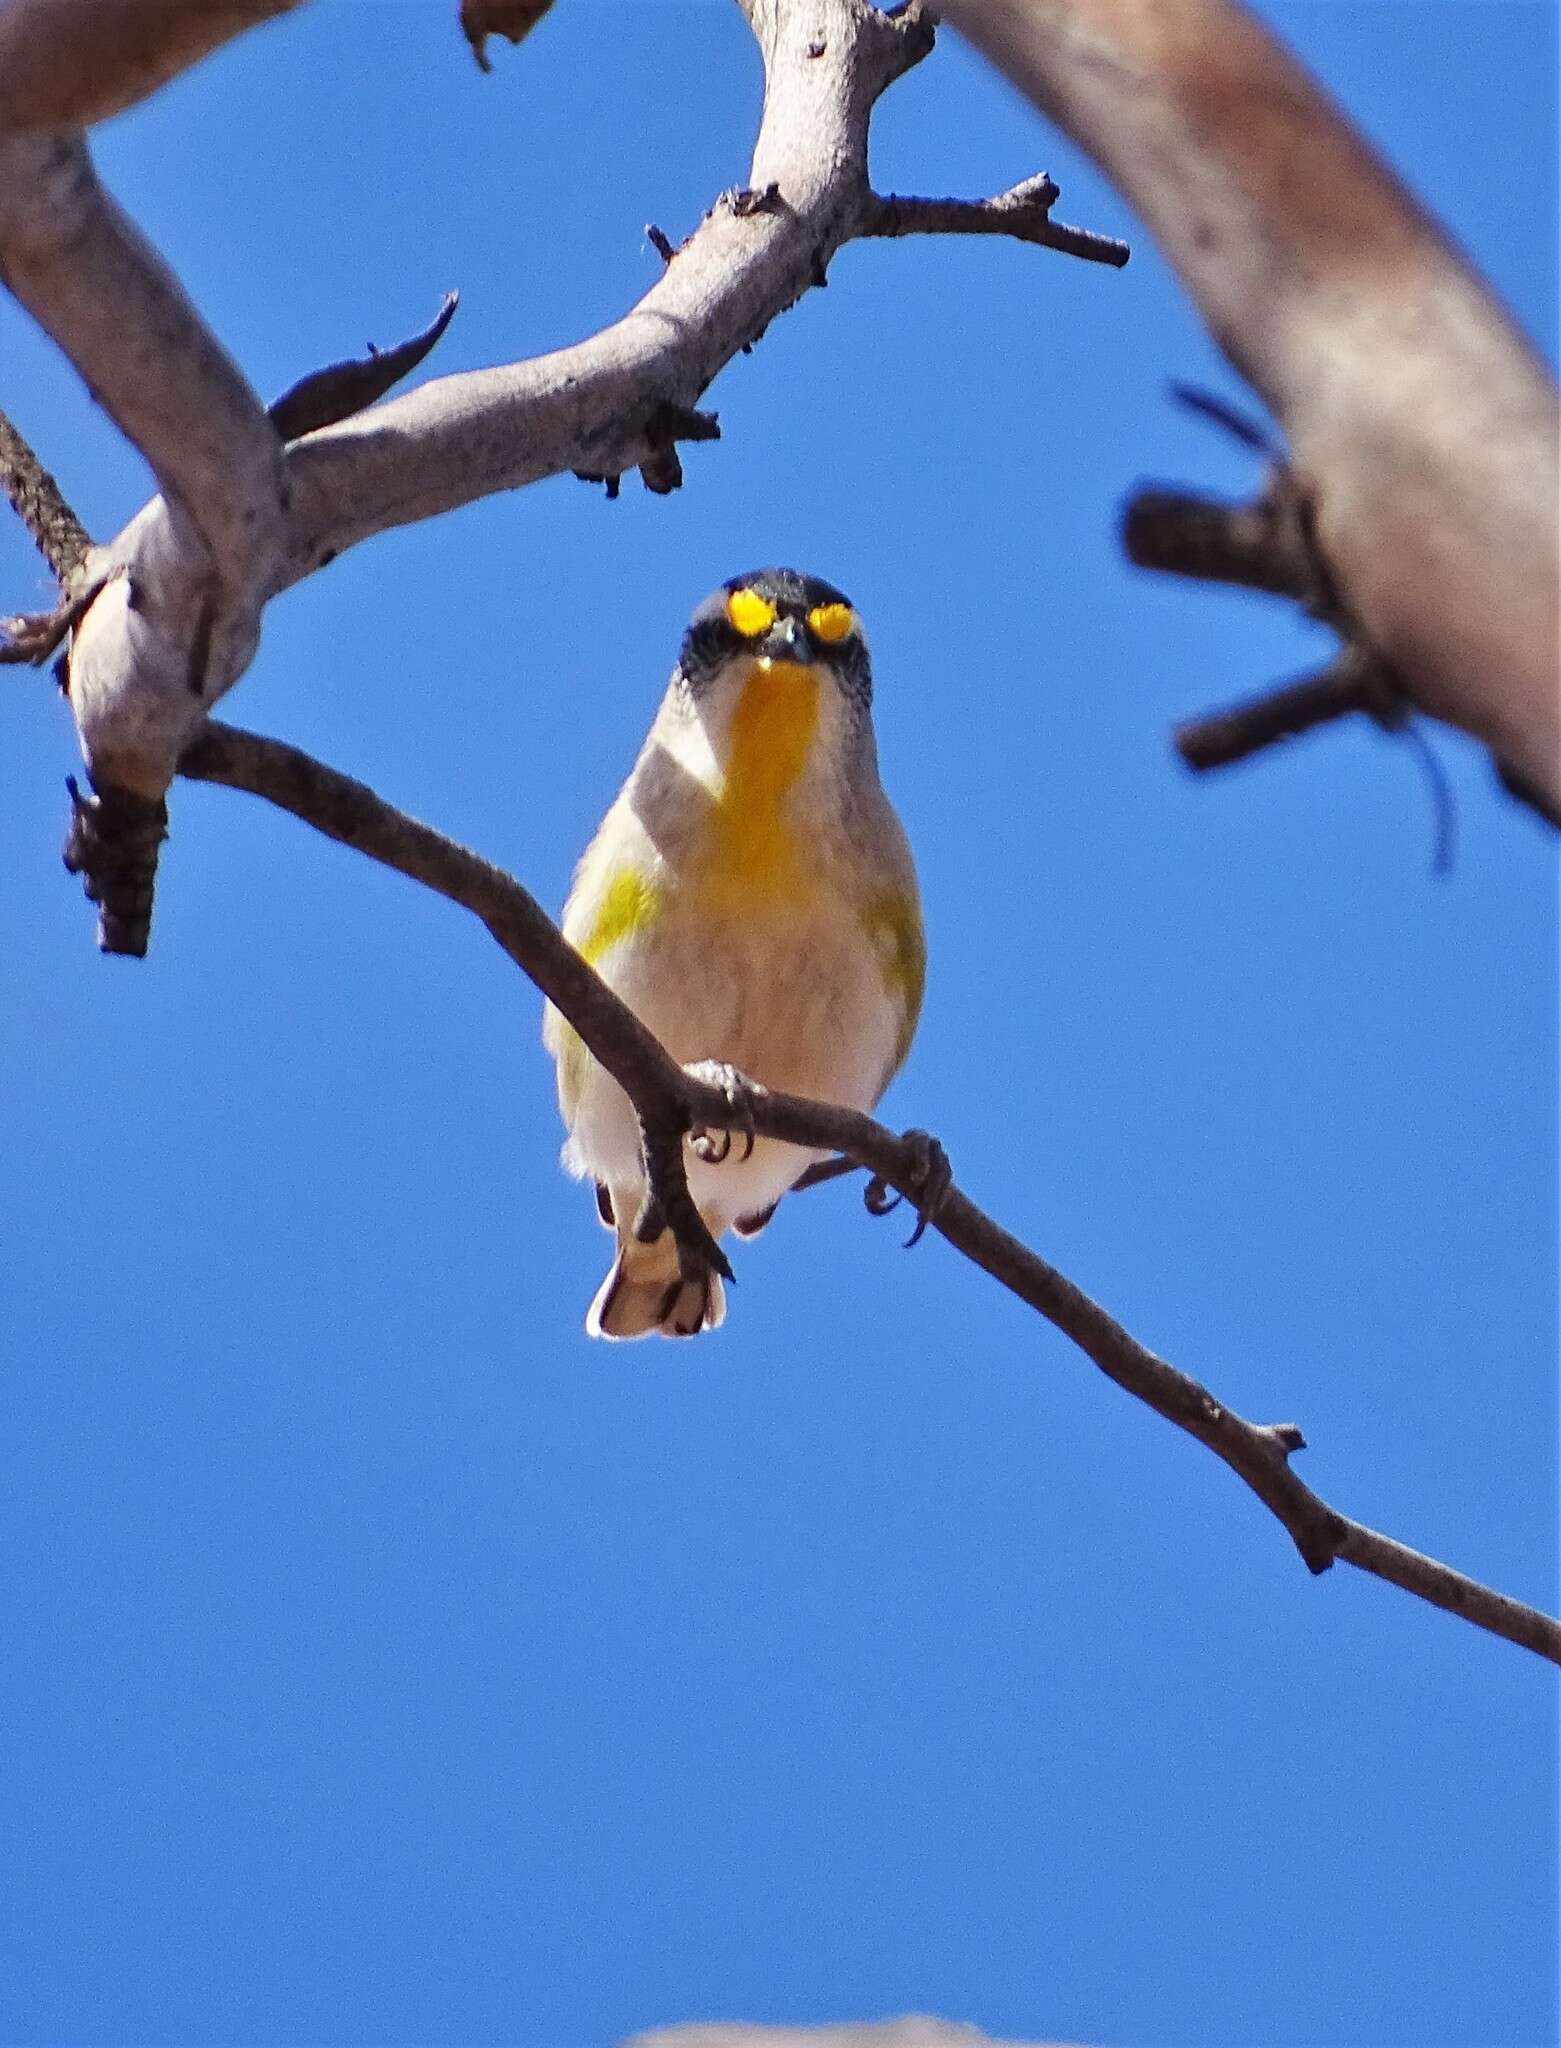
pixel 751 897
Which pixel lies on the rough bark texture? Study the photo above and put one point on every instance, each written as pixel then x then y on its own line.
pixel 239 520
pixel 1423 426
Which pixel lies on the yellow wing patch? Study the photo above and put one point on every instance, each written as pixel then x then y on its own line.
pixel 894 922
pixel 629 903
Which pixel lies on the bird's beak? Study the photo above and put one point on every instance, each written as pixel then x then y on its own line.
pixel 787 640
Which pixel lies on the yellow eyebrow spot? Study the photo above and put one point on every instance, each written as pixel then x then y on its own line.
pixel 750 613
pixel 831 623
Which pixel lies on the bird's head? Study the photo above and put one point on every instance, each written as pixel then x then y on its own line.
pixel 773 627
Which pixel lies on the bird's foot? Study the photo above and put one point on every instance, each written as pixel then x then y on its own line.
pixel 713 1147
pixel 931 1177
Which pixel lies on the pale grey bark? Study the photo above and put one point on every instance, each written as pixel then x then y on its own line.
pixel 1422 424
pixel 183 620
pixel 179 615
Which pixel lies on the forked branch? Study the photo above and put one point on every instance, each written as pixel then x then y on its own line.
pixel 242 518
pixel 672 1102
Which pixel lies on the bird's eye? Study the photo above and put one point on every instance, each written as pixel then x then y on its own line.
pixel 832 623
pixel 750 613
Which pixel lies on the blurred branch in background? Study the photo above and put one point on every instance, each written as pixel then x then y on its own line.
pixel 1422 426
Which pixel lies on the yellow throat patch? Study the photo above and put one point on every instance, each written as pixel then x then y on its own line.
pixel 755 850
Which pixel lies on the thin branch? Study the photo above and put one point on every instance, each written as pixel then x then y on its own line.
pixel 671 1100
pixel 1023 213
pixel 342 389
pixel 40 504
pixel 241 521
pixel 1352 683
pixel 1256 546
pixel 31 637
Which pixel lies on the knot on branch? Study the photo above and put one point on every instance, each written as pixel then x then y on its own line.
pixel 666 425
pixel 112 844
pixel 744 201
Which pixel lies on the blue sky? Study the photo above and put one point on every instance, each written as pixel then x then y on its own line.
pixel 386 1664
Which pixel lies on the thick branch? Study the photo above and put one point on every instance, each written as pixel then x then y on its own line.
pixel 186 618
pixel 670 1099
pixel 619 401
pixel 67 63
pixel 1422 423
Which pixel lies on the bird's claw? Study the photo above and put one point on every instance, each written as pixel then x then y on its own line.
pixel 714 1147
pixel 932 1178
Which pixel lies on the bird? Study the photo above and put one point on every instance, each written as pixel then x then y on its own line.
pixel 751 896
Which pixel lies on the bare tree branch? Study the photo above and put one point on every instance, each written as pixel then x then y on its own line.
pixel 239 522
pixel 512 19
pixel 1423 426
pixel 39 503
pixel 342 389
pixel 186 614
pixel 1257 546
pixel 1023 213
pixel 1353 683
pixel 67 63
pixel 672 1102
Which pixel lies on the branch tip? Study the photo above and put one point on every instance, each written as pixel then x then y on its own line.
pixel 1022 213
pixel 1353 682
pixel 512 19
pixel 342 389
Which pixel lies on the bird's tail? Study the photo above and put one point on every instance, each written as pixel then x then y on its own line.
pixel 646 1291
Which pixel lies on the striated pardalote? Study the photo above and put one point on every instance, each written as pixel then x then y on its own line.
pixel 751 897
